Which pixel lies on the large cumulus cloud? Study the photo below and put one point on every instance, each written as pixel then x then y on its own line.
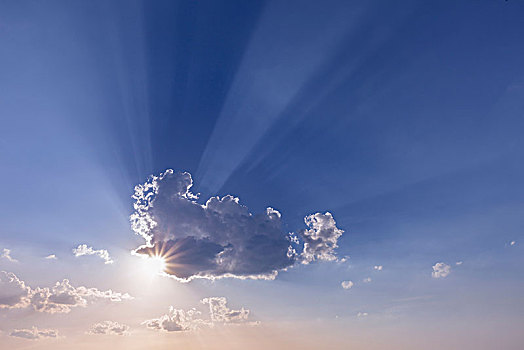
pixel 60 298
pixel 221 238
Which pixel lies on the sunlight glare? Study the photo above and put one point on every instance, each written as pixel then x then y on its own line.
pixel 154 265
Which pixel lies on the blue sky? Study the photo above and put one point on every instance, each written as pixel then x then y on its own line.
pixel 403 120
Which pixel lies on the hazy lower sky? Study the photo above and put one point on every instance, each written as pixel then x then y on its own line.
pixel 261 174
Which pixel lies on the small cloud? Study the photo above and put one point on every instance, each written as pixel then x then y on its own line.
pixel 441 270
pixel 83 249
pixel 6 254
pixel 34 333
pixel 51 257
pixel 347 284
pixel 109 328
pixel 513 243
pixel 321 238
pixel 458 263
pixel 362 314
pixel 366 280
pixel 221 313
pixel 177 320
pixel 378 267
pixel 344 259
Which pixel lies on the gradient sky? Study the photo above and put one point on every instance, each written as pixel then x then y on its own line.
pixel 403 120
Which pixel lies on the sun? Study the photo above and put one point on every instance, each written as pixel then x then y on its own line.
pixel 154 264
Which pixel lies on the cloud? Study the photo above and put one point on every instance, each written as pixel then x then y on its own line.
pixel 221 238
pixel 344 259
pixel 6 254
pixel 458 263
pixel 219 311
pixel 362 314
pixel 366 280
pixel 109 328
pixel 512 243
pixel 347 284
pixel 83 249
pixel 177 320
pixel 60 298
pixel 34 333
pixel 321 238
pixel 14 293
pixel 440 270
pixel 378 267
pixel 51 257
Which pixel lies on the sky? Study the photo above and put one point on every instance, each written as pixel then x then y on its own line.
pixel 261 174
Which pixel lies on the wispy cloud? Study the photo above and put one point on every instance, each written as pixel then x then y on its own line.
pixel 366 280
pixel 83 249
pixel 6 254
pixel 34 333
pixel 378 267
pixel 51 257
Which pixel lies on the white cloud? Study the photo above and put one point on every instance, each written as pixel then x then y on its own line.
pixel 512 243
pixel 362 314
pixel 6 254
pixel 366 280
pixel 60 298
pixel 221 238
pixel 441 270
pixel 109 328
pixel 378 267
pixel 321 238
pixel 220 313
pixel 344 259
pixel 458 263
pixel 51 257
pixel 177 320
pixel 83 249
pixel 347 284
pixel 14 293
pixel 34 333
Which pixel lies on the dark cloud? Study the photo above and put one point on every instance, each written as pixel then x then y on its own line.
pixel 220 238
